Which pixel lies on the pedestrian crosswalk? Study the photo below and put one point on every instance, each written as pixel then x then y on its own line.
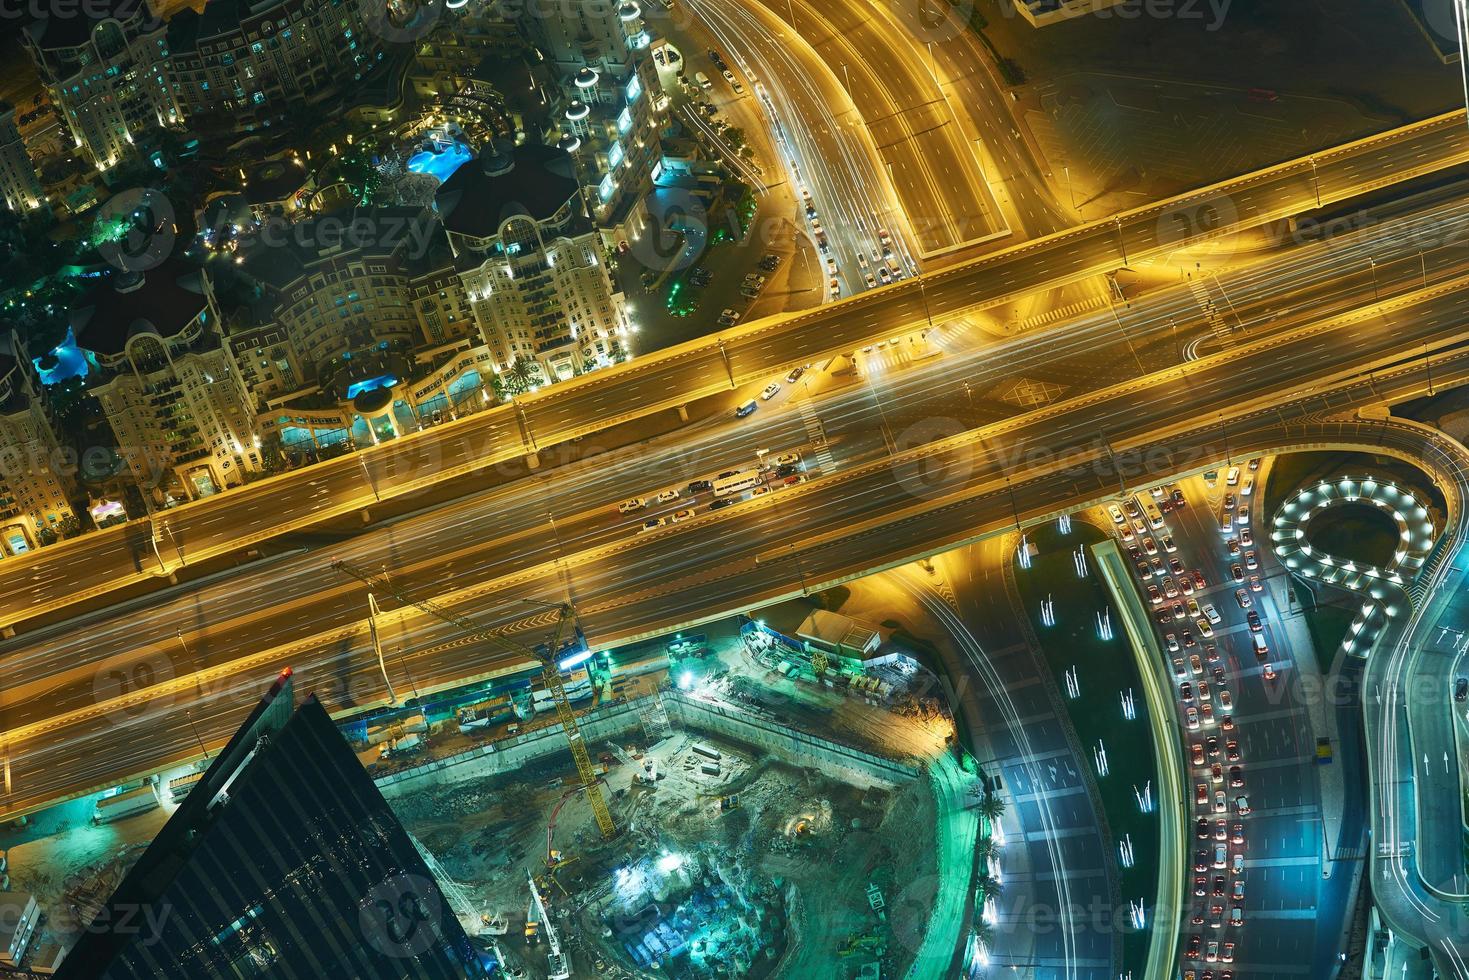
pixel 1217 322
pixel 1061 313
pixel 812 422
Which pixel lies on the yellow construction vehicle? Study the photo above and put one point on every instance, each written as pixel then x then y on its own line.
pixel 545 655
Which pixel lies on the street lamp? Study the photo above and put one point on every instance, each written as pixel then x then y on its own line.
pixel 1316 181
pixel 367 477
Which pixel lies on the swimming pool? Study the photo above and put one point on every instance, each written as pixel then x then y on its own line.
pixel 442 162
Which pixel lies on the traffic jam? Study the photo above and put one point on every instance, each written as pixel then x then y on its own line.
pixel 1185 606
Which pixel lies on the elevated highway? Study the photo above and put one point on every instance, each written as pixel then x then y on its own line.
pixel 101 562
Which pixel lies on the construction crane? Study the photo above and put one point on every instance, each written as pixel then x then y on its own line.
pixel 545 655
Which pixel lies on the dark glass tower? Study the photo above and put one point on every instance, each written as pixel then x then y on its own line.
pixel 283 862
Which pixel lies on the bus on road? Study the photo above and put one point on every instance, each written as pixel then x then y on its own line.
pixel 737 482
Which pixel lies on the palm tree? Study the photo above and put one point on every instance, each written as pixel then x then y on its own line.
pixel 983 931
pixel 987 850
pixel 988 886
pixel 991 807
pixel 522 375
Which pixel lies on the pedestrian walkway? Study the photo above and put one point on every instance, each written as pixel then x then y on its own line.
pixel 1061 313
pixel 825 463
pixel 1211 312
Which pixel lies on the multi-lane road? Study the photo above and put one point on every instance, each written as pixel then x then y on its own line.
pixel 106 560
pixel 879 503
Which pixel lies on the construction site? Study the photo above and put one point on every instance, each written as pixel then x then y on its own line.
pixel 719 836
pixel 774 797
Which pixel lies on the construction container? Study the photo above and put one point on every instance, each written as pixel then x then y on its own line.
pixel 122 805
pixel 707 751
pixel 710 768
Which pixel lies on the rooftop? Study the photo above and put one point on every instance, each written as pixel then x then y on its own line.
pixel 162 301
pixel 531 179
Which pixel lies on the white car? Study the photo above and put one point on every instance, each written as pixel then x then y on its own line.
pixel 1117 516
pixel 771 390
pixel 1212 613
pixel 681 515
pixel 787 459
pixel 628 506
pixel 667 496
pixel 728 317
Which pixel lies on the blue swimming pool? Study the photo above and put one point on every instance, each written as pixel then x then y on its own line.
pixel 441 162
pixel 71 362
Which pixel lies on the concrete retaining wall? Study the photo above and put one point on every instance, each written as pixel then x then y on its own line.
pixel 509 754
pixel 609 721
pixel 789 745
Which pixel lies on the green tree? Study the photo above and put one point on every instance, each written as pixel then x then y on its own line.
pixel 992 808
pixel 523 375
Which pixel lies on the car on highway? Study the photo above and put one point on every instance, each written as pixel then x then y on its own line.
pixel 1195 665
pixel 771 390
pixel 1191 718
pixel 1255 585
pixel 1242 805
pixel 1178 498
pixel 1199 581
pixel 1226 701
pixel 1179 613
pixel 1238 891
pixel 1201 829
pixel 1227 954
pixel 1246 537
pixel 1170 588
pixel 667 496
pixel 1154 596
pixel 1172 642
pixel 1237 863
pixel 1211 955
pixel 1188 639
pixel 787 459
pixel 699 486
pixel 760 491
pixel 1253 618
pixel 1168 544
pixel 1116 514
pixel 721 503
pixel 1231 750
pixel 1201 793
pixel 1185 692
pixel 1216 773
pixel 1198 753
pixel 1150 546
pixel 1243 598
pixel 1186 584
pixel 628 506
pixel 652 524
pixel 1461 689
pixel 1195 944
pixel 1242 516
pixel 1177 567
pixel 795 374
pixel 1237 572
pixel 682 515
pixel 1236 777
pixel 1201 859
pixel 1226 723
pixel 1211 743
pixel 1251 562
pixel 748 408
pixel 1221 855
pixel 871 282
pixel 1220 805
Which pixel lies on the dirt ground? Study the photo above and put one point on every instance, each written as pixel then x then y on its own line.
pixel 818 843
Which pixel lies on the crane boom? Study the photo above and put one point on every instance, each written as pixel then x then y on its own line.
pixel 550 676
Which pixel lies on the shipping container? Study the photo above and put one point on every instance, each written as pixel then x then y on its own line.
pixel 122 805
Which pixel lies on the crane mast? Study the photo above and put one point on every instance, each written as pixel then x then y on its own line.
pixel 550 676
